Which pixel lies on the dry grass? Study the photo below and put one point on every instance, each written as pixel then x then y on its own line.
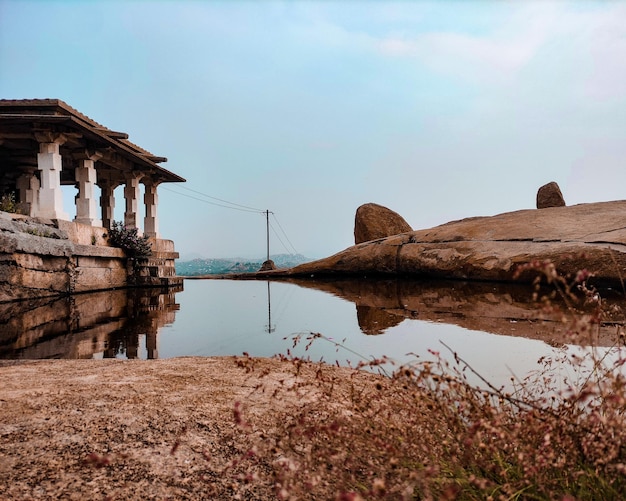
pixel 426 432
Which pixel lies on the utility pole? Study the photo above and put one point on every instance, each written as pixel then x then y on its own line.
pixel 268 264
pixel 267 221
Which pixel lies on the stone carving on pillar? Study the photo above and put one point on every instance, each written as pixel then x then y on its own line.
pixel 107 201
pixel 151 200
pixel 28 191
pixel 49 163
pixel 131 195
pixel 85 173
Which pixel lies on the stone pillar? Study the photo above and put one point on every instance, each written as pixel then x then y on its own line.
pixel 131 195
pixel 107 202
pixel 28 192
pixel 151 200
pixel 86 212
pixel 49 163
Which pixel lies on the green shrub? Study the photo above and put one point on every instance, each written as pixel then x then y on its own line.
pixel 7 203
pixel 128 239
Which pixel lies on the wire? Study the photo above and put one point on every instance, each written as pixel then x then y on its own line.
pixel 245 209
pixel 220 200
pixel 279 239
pixel 291 251
pixel 239 207
pixel 284 233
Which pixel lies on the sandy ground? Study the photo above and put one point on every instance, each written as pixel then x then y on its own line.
pixel 114 429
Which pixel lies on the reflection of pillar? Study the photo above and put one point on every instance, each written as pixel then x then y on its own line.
pixel 28 192
pixel 151 344
pixel 131 195
pixel 132 346
pixel 49 162
pixel 85 173
pixel 107 202
pixel 150 199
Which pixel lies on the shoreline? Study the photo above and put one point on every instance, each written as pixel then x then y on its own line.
pixel 138 429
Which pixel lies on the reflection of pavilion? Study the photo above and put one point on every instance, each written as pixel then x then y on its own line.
pixel 109 323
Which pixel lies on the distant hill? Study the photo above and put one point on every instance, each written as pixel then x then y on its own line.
pixel 202 266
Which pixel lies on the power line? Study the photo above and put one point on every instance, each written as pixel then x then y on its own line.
pixel 284 233
pixel 238 207
pixel 279 239
pixel 289 251
pixel 220 200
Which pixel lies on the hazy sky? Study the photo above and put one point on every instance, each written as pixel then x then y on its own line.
pixel 438 111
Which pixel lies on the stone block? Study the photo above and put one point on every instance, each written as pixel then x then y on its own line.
pixel 95 274
pixel 41 263
pixel 41 280
pixel 84 234
pixel 87 278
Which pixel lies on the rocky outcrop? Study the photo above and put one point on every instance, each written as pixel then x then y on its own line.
pixel 549 195
pixel 586 236
pixel 373 221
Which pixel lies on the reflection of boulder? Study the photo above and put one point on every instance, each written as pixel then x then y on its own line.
pixel 499 308
pixel 373 221
pixel 376 320
pixel 549 195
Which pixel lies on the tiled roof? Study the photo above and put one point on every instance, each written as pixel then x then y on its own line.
pixel 45 109
pixel 58 103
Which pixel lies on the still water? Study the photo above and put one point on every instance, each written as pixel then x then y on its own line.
pixel 493 327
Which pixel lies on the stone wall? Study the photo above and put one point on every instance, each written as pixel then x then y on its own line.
pixel 40 258
pixel 159 269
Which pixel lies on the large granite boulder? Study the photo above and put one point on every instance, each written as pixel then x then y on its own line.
pixel 549 195
pixel 585 236
pixel 268 265
pixel 373 221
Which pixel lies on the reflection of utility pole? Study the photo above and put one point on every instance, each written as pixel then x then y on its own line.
pixel 269 327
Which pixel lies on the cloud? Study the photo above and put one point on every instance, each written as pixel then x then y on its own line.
pixel 490 57
pixel 582 45
pixel 603 41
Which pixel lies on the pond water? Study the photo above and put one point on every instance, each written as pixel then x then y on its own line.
pixel 493 327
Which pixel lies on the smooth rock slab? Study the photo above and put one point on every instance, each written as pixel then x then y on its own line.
pixel 586 236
